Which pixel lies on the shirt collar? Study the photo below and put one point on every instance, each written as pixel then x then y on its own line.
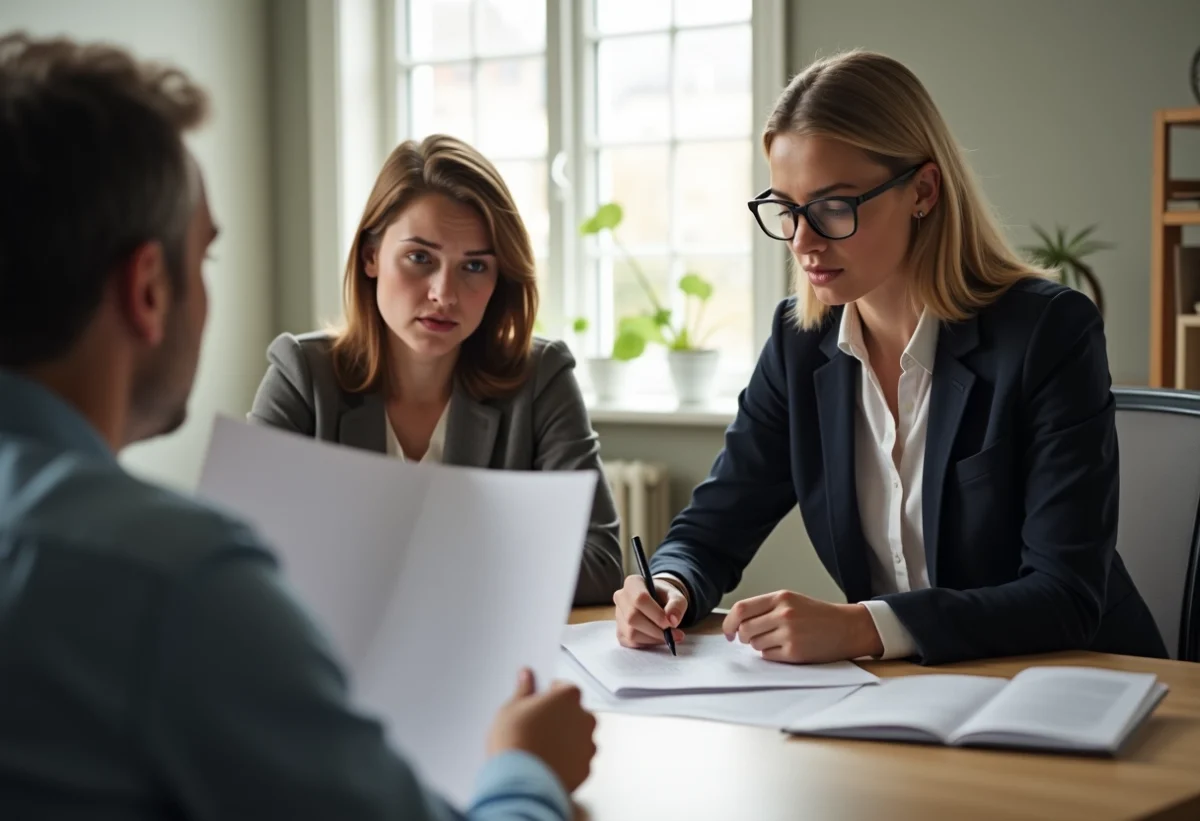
pixel 32 411
pixel 921 350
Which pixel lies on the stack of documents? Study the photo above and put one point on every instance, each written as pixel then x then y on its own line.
pixel 1062 709
pixel 711 678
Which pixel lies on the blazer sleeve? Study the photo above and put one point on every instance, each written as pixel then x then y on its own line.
pixel 747 492
pixel 565 440
pixel 1070 489
pixel 285 396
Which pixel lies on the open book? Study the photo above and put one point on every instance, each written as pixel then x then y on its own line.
pixel 1065 709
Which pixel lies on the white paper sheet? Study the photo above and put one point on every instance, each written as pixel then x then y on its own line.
pixel 773 709
pixel 704 663
pixel 435 583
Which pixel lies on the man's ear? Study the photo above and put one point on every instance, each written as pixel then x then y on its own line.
pixel 144 292
pixel 928 187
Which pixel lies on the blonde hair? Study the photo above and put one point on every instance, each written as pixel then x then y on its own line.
pixel 959 258
pixel 493 359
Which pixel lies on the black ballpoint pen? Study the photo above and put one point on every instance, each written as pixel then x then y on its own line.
pixel 644 569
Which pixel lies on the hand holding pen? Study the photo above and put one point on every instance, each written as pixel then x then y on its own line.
pixel 648 610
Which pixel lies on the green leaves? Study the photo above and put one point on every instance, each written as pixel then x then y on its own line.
pixel 607 217
pixel 647 327
pixel 634 333
pixel 695 285
pixel 628 345
pixel 580 325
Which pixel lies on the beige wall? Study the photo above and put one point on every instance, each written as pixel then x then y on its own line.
pixel 1054 101
pixel 222 44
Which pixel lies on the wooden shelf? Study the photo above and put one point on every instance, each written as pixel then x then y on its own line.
pixel 1174 348
pixel 1189 217
pixel 1182 116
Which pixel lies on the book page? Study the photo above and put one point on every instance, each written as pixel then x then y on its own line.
pixel 1076 706
pixel 704 663
pixel 931 705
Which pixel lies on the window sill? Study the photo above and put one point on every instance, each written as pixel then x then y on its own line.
pixel 662 410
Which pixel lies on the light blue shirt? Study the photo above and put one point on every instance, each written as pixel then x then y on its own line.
pixel 154 665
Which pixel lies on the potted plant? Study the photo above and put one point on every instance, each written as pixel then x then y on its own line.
pixel 1065 253
pixel 692 365
pixel 608 373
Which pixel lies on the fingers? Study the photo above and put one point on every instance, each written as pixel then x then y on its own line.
pixel 675 608
pixel 756 628
pixel 767 640
pixel 525 683
pixel 747 609
pixel 634 629
pixel 788 653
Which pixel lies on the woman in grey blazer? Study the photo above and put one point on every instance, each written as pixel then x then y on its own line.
pixel 437 360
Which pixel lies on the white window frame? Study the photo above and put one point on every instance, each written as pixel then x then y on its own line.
pixel 563 291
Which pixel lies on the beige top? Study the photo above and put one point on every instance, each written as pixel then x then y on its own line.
pixel 437 442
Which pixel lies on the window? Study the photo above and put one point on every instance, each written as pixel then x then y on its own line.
pixel 476 69
pixel 654 104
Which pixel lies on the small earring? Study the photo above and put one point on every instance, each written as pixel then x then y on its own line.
pixel 920 215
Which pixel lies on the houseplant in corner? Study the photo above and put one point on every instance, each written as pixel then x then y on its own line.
pixel 692 365
pixel 1065 253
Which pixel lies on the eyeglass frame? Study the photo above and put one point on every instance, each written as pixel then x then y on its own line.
pixel 802 210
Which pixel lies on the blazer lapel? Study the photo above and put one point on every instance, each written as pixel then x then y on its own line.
pixel 362 424
pixel 952 383
pixel 836 385
pixel 470 431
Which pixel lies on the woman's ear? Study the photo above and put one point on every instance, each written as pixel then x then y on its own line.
pixel 369 256
pixel 927 185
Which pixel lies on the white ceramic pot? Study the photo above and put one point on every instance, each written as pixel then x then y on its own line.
pixel 693 373
pixel 608 377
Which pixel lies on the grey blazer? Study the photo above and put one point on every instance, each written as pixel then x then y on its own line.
pixel 544 426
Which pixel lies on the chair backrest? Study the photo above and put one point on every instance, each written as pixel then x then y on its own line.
pixel 1158 535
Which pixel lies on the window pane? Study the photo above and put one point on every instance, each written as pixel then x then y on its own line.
pixel 614 16
pixel 526 180
pixel 508 26
pixel 632 92
pixel 629 298
pixel 706 12
pixel 438 29
pixel 636 178
pixel 512 107
pixel 712 185
pixel 442 101
pixel 713 97
pixel 727 319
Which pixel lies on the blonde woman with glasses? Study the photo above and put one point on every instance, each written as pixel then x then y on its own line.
pixel 939 410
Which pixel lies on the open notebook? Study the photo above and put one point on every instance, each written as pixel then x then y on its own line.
pixel 1066 709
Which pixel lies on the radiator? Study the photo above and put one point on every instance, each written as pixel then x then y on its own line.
pixel 642 493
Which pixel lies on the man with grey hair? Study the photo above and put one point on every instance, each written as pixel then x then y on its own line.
pixel 152 663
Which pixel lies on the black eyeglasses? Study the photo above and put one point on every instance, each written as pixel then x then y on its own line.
pixel 831 217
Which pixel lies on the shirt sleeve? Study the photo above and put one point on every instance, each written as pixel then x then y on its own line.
pixel 246 715
pixel 897 641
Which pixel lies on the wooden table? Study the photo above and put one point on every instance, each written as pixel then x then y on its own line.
pixel 664 769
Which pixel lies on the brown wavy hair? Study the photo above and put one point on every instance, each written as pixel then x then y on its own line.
pixel 493 360
pixel 959 257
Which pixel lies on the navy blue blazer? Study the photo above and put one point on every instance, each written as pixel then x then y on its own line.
pixel 1020 483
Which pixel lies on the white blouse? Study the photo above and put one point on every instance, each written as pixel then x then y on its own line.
pixel 437 443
